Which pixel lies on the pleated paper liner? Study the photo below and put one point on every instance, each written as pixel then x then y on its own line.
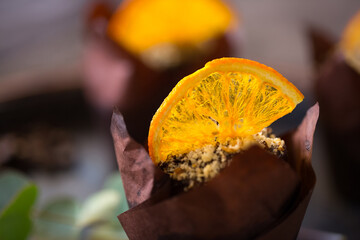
pixel 257 197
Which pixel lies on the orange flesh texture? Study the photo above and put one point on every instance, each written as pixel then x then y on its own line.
pixel 227 99
pixel 139 25
pixel 350 42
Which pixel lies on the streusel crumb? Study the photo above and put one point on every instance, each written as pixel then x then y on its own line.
pixel 203 164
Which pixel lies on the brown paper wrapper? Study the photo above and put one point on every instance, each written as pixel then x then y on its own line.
pixel 338 92
pixel 257 197
pixel 337 88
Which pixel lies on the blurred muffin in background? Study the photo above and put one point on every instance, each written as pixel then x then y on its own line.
pixel 136 54
pixel 167 33
pixel 338 91
pixel 350 43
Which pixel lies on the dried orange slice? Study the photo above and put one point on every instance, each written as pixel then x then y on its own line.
pixel 139 25
pixel 229 99
pixel 350 42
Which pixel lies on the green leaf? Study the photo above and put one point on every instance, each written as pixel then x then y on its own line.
pixel 57 221
pixel 16 200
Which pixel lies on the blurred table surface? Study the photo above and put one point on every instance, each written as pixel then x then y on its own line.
pixel 41 51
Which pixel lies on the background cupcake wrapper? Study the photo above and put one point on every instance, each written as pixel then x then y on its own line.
pixel 337 87
pixel 258 197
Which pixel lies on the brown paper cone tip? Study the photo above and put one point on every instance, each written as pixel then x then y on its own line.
pixel 136 168
pixel 257 197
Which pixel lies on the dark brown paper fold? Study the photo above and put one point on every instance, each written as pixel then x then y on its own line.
pixel 257 197
pixel 299 144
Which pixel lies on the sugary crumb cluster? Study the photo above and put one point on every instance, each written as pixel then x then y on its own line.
pixel 203 164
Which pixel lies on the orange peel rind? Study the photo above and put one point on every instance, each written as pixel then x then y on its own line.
pixel 230 98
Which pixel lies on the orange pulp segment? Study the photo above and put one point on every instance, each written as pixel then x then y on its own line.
pixel 229 99
pixel 350 42
pixel 139 25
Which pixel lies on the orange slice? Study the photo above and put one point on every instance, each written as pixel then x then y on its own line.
pixel 139 25
pixel 229 99
pixel 350 42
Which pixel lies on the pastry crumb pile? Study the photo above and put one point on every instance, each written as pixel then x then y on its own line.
pixel 205 163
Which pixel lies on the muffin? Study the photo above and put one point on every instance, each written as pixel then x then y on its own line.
pixel 181 190
pixel 145 47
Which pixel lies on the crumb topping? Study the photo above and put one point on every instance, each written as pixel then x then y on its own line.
pixel 203 164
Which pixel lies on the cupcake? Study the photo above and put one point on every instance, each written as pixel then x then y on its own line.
pixel 214 169
pixel 140 51
pixel 338 91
